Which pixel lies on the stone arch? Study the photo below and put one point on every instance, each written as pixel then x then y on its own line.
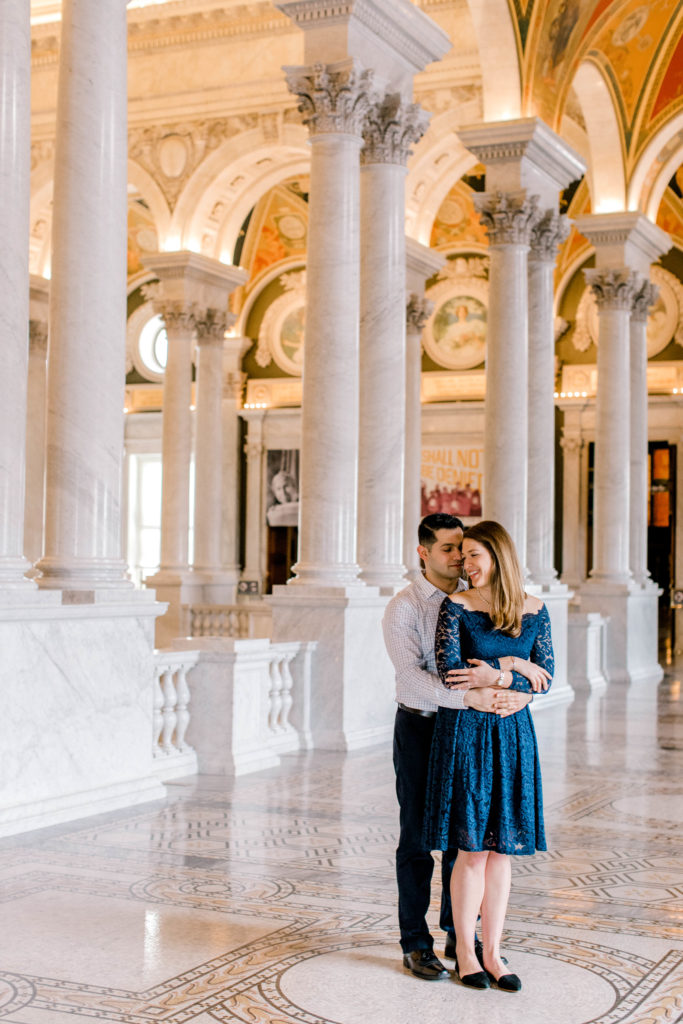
pixel 153 196
pixel 439 160
pixel 605 175
pixel 656 165
pixel 221 192
pixel 498 55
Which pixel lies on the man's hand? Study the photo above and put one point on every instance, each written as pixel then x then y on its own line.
pixel 495 701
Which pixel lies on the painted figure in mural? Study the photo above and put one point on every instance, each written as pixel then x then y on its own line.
pixel 559 33
pixel 409 629
pixel 483 791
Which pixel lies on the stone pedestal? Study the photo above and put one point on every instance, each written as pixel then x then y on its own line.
pixel 587 637
pixel 15 174
pixel 556 597
pixel 631 648
pixel 352 697
pixel 86 379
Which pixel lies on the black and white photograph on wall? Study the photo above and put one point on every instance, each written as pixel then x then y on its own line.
pixel 282 499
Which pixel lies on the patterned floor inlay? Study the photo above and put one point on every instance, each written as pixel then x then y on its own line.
pixel 270 899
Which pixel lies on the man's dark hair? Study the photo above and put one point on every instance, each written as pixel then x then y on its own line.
pixel 426 531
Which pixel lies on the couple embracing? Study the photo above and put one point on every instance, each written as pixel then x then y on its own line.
pixel 468 657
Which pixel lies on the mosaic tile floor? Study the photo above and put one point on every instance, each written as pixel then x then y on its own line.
pixel 271 899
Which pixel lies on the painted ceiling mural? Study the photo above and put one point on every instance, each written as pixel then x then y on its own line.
pixel 637 45
pixel 278 227
pixel 457 223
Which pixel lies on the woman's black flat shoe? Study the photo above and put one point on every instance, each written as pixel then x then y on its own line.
pixel 506 982
pixel 478 980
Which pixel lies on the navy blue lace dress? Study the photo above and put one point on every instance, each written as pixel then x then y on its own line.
pixel 484 784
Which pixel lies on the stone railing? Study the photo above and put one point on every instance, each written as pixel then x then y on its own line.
pixel 235 621
pixel 173 756
pixel 251 701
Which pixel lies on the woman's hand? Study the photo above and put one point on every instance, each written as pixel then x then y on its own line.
pixel 537 676
pixel 481 674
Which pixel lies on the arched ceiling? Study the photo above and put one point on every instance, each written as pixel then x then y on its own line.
pixel 637 45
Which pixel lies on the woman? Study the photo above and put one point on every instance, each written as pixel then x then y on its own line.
pixel 484 787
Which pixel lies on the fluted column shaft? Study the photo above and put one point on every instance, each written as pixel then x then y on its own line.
pixel 209 444
pixel 15 150
pixel 545 238
pixel 643 299
pixel 333 100
pixel 390 129
pixel 176 437
pixel 86 369
pixel 509 219
pixel 613 290
pixel 418 311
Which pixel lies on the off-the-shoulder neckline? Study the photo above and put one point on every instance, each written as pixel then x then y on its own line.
pixel 478 611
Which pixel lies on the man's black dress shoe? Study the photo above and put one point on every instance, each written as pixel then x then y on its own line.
pixel 424 964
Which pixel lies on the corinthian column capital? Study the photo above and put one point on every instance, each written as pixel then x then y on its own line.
pixel 391 128
pixel 613 289
pixel 551 230
pixel 211 325
pixel 644 297
pixel 332 97
pixel 176 314
pixel 418 312
pixel 509 217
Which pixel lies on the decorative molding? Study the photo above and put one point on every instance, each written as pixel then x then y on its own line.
pixel 571 444
pixel 37 338
pixel 645 297
pixel 391 128
pixel 547 235
pixel 612 288
pixel 418 311
pixel 332 97
pixel 509 217
pixel 254 449
pixel 233 385
pixel 437 386
pixel 274 392
pixel 270 340
pixel 580 380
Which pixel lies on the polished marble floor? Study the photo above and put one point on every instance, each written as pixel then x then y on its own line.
pixel 271 899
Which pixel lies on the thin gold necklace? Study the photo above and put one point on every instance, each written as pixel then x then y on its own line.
pixel 482 596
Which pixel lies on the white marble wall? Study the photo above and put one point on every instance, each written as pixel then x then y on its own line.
pixel 76 722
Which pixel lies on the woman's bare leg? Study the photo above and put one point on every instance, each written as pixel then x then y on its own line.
pixel 493 910
pixel 467 892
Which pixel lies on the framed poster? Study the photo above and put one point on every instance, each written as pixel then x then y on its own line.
pixel 452 480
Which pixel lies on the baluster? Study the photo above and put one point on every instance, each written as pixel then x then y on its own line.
pixel 233 625
pixel 157 705
pixel 287 699
pixel 182 712
pixel 243 628
pixel 275 694
pixel 168 710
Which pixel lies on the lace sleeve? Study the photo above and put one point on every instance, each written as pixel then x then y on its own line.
pixel 542 651
pixel 447 640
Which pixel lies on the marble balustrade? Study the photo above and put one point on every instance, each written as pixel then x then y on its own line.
pixel 235 621
pixel 173 755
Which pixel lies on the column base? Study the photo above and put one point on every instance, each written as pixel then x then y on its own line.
pixel 319 575
pixel 631 649
pixel 390 579
pixel 587 640
pixel 215 586
pixel 82 573
pixel 352 688
pixel 556 597
pixel 13 574
pixel 175 587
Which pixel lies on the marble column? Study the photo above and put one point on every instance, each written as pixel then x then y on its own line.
pixel 209 447
pixel 548 234
pixel 86 367
pixel 391 127
pixel 334 100
pixel 234 349
pixel 573 509
pixel 254 570
pixel 509 219
pixel 645 297
pixel 15 158
pixel 614 291
pixel 35 419
pixel 418 311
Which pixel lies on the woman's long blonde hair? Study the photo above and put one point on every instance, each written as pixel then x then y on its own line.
pixel 506 582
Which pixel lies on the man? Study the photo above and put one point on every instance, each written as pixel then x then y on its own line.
pixel 409 626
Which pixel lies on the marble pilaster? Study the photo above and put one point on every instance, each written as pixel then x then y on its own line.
pixel 645 297
pixel 390 129
pixel 573 503
pixel 254 571
pixel 234 348
pixel 36 400
pixel 548 234
pixel 15 159
pixel 87 302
